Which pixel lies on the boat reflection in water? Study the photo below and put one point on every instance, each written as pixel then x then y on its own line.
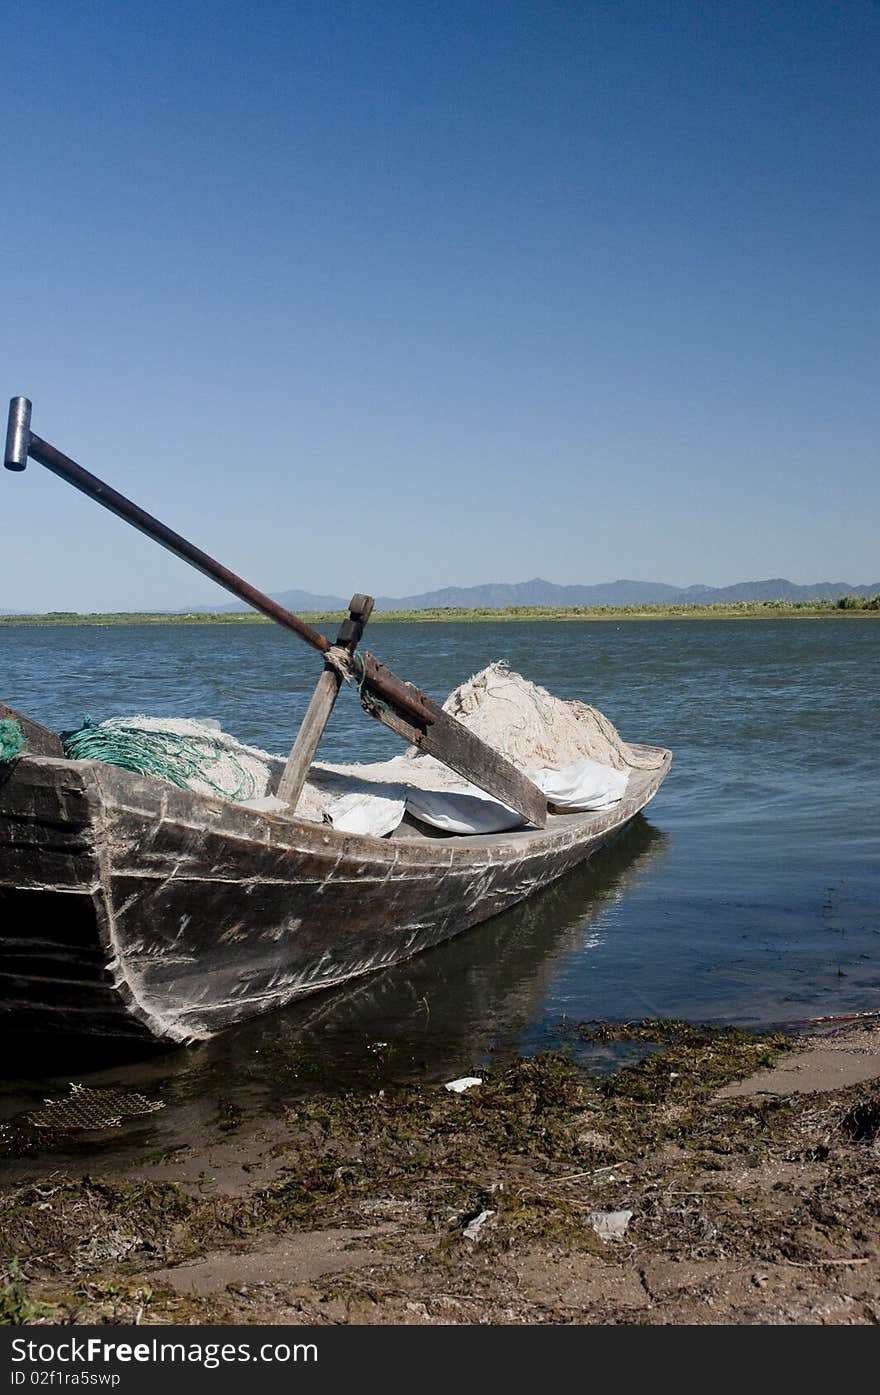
pixel 432 1017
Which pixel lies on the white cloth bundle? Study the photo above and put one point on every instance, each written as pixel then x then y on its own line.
pixel 468 810
pixel 583 785
pixel 363 812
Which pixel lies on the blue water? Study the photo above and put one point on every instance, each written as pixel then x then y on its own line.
pixel 749 894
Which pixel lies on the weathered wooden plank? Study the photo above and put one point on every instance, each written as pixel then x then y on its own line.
pixel 47 832
pixel 42 963
pixel 323 700
pixel 23 1018
pixel 53 921
pixel 311 729
pixel 61 989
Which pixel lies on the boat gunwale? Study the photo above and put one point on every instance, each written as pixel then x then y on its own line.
pixel 114 787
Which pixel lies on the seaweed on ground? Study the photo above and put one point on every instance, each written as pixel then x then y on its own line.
pixel 788 1187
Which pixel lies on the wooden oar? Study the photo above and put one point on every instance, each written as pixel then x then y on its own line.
pixel 398 705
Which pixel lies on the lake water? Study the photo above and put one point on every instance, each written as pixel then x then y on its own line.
pixel 749 894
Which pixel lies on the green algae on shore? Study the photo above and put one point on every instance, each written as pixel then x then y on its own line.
pixel 752 1209
pixel 539 1144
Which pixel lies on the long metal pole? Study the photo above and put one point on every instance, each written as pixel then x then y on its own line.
pixel 117 503
pixel 21 443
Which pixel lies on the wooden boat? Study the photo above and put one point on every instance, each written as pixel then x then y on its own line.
pixel 130 909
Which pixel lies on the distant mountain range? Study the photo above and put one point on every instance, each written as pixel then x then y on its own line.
pixel 499 595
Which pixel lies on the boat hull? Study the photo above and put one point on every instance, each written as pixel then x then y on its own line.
pixel 134 910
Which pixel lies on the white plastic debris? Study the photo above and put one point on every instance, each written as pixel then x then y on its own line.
pixel 610 1225
pixel 266 804
pixel 465 1083
pixel 473 1228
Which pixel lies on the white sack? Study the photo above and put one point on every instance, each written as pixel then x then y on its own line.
pixel 467 810
pixel 373 814
pixel 585 784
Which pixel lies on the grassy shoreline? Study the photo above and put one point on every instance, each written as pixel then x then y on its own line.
pixel 854 608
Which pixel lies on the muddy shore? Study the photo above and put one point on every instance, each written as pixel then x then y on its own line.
pixel 725 1178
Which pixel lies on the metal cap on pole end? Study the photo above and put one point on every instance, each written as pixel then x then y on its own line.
pixel 18 434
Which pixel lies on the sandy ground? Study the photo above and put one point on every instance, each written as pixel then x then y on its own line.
pixel 741 1174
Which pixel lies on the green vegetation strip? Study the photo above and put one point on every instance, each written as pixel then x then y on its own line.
pixel 846 606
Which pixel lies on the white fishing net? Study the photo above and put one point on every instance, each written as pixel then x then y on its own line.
pixel 531 727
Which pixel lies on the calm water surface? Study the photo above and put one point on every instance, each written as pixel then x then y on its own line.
pixel 749 894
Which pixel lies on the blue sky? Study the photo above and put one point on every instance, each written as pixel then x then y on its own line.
pixel 394 296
